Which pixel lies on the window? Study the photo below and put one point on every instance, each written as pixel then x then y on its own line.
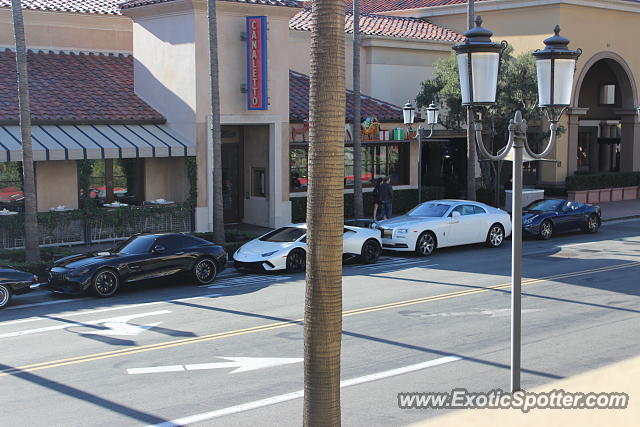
pixel 258 182
pixel 170 243
pixel 111 180
pixel 284 234
pixel 608 94
pixel 378 160
pixel 479 210
pixel 136 245
pixel 432 210
pixel 464 210
pixel 11 195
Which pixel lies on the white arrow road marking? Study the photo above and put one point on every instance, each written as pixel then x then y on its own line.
pixel 298 394
pixel 116 325
pixel 243 364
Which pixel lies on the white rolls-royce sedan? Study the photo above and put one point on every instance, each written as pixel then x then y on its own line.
pixel 442 223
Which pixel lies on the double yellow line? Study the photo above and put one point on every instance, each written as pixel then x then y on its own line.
pixel 278 325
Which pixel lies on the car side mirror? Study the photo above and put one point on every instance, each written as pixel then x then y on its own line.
pixel 455 214
pixel 158 249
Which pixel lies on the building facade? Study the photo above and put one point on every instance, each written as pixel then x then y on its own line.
pixel 159 55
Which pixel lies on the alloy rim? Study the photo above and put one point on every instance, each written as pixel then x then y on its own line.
pixel 496 236
pixel 4 296
pixel 546 230
pixel 426 244
pixel 296 261
pixel 372 251
pixel 106 282
pixel 205 270
pixel 593 224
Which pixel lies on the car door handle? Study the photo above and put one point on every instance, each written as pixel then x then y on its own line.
pixel 453 222
pixel 134 267
pixel 179 253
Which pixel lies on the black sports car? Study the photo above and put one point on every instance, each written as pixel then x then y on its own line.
pixel 543 218
pixel 12 282
pixel 142 256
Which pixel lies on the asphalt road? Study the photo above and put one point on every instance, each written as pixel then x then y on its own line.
pixel 174 352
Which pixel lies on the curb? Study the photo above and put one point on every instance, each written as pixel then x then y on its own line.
pixel 621 218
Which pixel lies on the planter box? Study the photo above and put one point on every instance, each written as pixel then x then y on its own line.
pixel 616 194
pixel 593 196
pixel 630 193
pixel 605 195
pixel 578 196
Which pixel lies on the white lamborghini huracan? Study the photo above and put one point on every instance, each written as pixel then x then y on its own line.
pixel 285 248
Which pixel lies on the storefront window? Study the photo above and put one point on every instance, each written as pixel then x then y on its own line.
pixel 120 180
pixel 11 195
pixel 378 160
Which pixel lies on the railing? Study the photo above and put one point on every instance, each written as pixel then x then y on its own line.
pixel 96 225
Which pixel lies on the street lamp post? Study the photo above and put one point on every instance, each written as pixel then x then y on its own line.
pixel 478 66
pixel 408 111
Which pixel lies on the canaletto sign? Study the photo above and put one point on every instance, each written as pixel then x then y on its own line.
pixel 257 62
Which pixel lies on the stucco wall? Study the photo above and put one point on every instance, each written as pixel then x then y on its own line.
pixel 69 31
pixel 56 184
pixel 166 178
pixel 391 69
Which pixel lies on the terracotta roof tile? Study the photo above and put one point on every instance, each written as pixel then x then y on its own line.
pixel 370 107
pixel 74 87
pixel 389 26
pixel 286 3
pixel 101 7
pixel 112 7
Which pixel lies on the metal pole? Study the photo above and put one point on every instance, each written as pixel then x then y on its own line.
pixel 419 164
pixel 516 264
pixel 471 146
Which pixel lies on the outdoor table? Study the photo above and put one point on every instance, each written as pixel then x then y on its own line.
pixel 8 212
pixel 115 205
pixel 159 202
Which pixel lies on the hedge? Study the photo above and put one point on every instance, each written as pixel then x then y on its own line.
pixel 403 200
pixel 602 180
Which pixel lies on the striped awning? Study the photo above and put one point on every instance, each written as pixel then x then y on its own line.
pixel 73 142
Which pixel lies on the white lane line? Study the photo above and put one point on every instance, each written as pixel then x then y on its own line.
pixel 171 368
pixel 403 264
pixel 121 319
pixel 38 304
pixel 102 310
pixel 298 394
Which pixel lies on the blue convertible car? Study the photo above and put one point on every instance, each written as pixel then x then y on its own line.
pixel 543 218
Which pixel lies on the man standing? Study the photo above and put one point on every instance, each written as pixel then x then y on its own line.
pixel 386 197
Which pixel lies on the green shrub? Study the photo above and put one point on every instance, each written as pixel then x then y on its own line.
pixel 602 180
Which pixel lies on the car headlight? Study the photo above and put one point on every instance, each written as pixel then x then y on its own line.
pixel 266 254
pixel 402 231
pixel 529 220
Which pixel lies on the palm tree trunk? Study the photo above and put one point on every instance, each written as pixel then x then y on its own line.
pixel 357 151
pixel 325 216
pixel 32 237
pixel 216 191
pixel 471 141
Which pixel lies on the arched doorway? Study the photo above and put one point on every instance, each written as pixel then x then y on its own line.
pixel 604 131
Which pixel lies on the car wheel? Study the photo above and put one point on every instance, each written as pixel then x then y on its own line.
pixel 495 236
pixel 105 283
pixel 426 244
pixel 371 251
pixel 5 296
pixel 204 270
pixel 296 261
pixel 593 223
pixel 546 229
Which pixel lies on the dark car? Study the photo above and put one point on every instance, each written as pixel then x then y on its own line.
pixel 543 218
pixel 12 282
pixel 141 257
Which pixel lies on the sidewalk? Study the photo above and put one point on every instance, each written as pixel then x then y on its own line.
pixel 620 377
pixel 619 210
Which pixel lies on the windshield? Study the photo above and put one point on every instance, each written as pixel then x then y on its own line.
pixel 135 245
pixel 284 234
pixel 429 209
pixel 545 205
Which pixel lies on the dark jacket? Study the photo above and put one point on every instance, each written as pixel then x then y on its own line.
pixel 386 193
